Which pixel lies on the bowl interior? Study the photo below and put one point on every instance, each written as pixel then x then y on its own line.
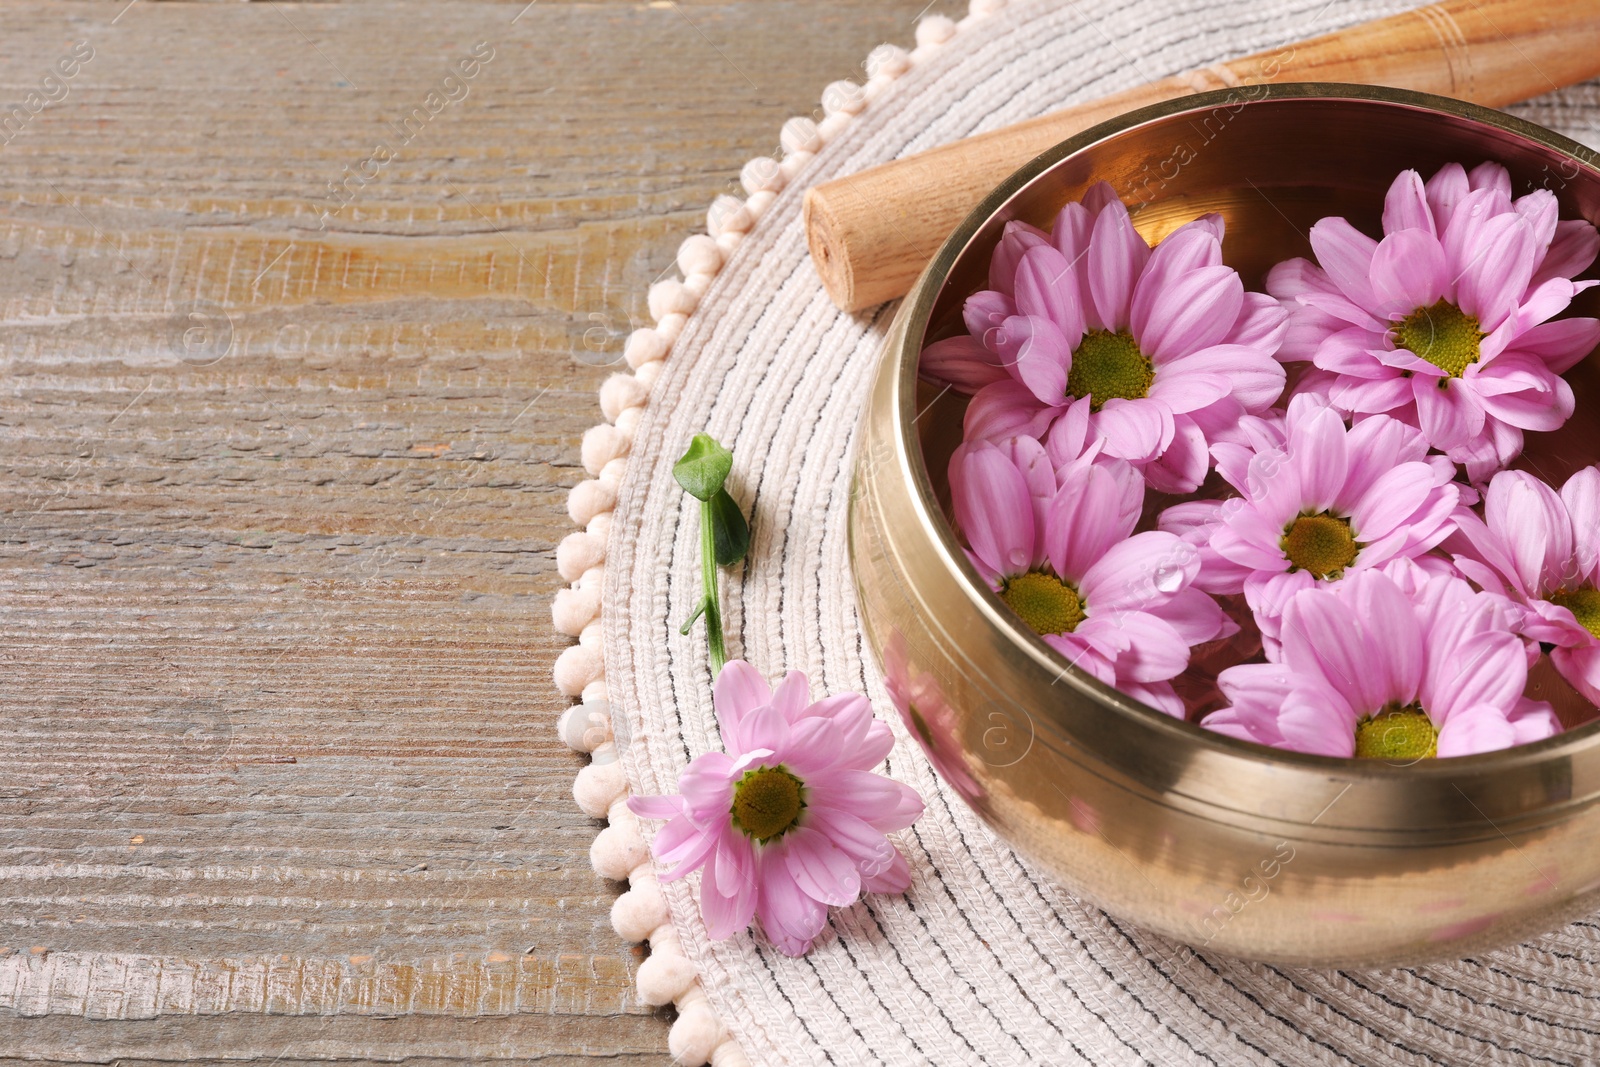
pixel 1272 165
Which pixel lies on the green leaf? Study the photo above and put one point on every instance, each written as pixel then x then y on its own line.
pixel 703 468
pixel 729 529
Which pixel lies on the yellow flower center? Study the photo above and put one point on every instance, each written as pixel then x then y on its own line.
pixel 1443 334
pixel 1107 366
pixel 1321 544
pixel 767 801
pixel 1397 733
pixel 1046 603
pixel 1584 605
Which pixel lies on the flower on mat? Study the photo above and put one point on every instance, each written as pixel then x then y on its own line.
pixel 790 819
pixel 1059 549
pixel 1163 348
pixel 1445 322
pixel 1543 550
pixel 1371 669
pixel 1330 501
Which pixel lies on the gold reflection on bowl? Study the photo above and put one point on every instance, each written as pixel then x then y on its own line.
pixel 1219 843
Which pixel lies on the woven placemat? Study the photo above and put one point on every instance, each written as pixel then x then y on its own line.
pixel 983 961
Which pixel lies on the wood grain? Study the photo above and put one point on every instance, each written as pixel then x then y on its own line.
pixel 283 471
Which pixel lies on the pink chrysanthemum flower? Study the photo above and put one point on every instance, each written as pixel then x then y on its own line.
pixel 1061 551
pixel 1163 348
pixel 790 819
pixel 1543 550
pixel 1328 502
pixel 1368 669
pixel 1445 322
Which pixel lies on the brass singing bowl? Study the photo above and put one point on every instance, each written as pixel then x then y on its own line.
pixel 1242 849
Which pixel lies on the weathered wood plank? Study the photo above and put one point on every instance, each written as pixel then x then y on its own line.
pixel 285 434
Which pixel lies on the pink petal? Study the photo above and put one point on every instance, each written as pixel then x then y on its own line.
pixel 1155 652
pixel 738 690
pixel 1520 390
pixel 1346 254
pixel 1006 409
pixel 1147 569
pixel 895 878
pixel 1317 451
pixel 1158 695
pixel 1182 465
pixel 792 695
pixel 1395 498
pixel 1448 416
pixel 986 309
pixel 655 807
pixel 1195 616
pixel 880 802
pixel 1254 380
pixel 1479 728
pixel 821 871
pixel 867 847
pixel 1194 312
pixel 1485 669
pixel 1047 288
pixel 791 918
pixel 1117 256
pixel 1533 527
pixel 1581 668
pixel 961 362
pixel 1036 354
pixel 1322 633
pixel 1406 205
pixel 1562 344
pixel 1015 239
pixel 1408 272
pixel 994 509
pixel 1095 508
pixel 815 744
pixel 1184 251
pixel 1183 388
pixel 1581 495
pixel 1501 266
pixel 684 844
pixel 1316 721
pixel 1571 251
pixel 705 784
pixel 1445 190
pixel 1134 430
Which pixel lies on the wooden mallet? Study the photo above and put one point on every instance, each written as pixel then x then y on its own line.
pixel 872 233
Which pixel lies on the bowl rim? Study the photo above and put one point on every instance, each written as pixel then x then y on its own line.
pixel 909 344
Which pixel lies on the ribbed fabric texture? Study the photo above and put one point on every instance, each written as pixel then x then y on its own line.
pixel 983 961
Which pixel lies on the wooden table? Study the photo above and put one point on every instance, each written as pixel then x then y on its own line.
pixel 288 424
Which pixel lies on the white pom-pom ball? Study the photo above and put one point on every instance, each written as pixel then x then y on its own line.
pixel 639 911
pixel 695 1033
pixel 727 214
pixel 761 174
pixel 573 609
pixel 619 393
pixel 759 202
pixel 794 163
pixel 585 727
pixel 601 445
pixel 616 851
pixel 888 59
pixel 671 326
pixel 628 421
pixel 843 97
pixel 664 977
pixel 835 124
pixel 589 498
pixel 799 134
pixel 579 551
pixel 647 374
pixel 576 667
pixel 699 255
pixel 669 297
pixel 729 241
pixel 935 30
pixel 596 786
pixel 644 346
